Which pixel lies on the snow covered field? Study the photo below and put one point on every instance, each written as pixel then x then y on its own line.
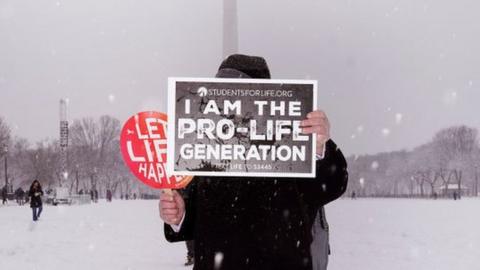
pixel 118 235
pixel 370 234
pixel 400 234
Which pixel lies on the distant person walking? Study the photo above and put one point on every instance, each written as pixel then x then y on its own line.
pixel 35 193
pixel 4 195
pixel 109 195
pixel 354 195
pixel 20 196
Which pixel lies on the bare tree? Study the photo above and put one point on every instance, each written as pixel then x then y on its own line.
pixel 19 152
pixel 95 153
pixel 42 163
pixel 454 148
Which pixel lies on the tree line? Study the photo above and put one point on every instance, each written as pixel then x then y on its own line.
pixel 94 160
pixel 450 159
pixel 448 163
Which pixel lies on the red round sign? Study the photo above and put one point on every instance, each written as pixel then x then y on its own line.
pixel 143 143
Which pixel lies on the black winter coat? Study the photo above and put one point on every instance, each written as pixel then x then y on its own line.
pixel 259 223
pixel 35 199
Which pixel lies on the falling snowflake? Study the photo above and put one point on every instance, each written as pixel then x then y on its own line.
pixel 360 129
pixel 218 260
pixel 374 165
pixel 361 181
pixel 398 118
pixel 111 98
pixel 385 132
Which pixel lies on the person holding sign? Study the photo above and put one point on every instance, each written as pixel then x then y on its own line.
pixel 257 222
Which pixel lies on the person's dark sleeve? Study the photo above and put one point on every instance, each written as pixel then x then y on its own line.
pixel 187 228
pixel 330 181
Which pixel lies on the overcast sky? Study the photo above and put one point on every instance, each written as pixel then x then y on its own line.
pixel 391 73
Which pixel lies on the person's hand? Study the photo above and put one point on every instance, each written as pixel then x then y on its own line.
pixel 317 122
pixel 171 207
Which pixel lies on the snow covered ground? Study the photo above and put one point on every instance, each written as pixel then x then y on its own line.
pixel 370 234
pixel 400 234
pixel 118 235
